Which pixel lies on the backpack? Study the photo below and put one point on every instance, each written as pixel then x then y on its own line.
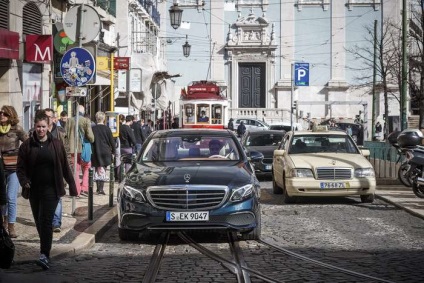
pixel 86 148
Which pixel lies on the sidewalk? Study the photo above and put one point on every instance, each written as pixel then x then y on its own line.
pixel 77 232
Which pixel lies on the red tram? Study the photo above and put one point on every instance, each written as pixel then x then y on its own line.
pixel 203 106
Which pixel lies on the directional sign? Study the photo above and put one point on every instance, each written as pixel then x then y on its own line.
pixel 121 63
pixel 77 66
pixel 301 74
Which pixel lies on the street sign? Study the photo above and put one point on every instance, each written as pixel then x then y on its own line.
pixel 301 74
pixel 88 17
pixel 121 63
pixel 77 66
pixel 76 91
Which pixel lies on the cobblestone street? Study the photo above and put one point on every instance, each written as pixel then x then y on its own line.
pixel 376 239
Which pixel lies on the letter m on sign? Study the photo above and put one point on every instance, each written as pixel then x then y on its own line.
pixel 38 48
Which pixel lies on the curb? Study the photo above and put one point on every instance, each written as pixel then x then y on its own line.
pixel 87 238
pixel 410 211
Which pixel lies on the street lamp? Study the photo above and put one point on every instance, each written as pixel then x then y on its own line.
pixel 175 15
pixel 186 48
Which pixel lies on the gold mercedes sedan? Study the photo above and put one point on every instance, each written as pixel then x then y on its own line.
pixel 322 163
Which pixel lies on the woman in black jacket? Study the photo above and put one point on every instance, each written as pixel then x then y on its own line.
pixel 103 148
pixel 42 166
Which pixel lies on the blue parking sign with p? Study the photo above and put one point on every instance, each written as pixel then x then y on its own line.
pixel 301 74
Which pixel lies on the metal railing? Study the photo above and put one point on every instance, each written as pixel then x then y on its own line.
pixel 384 158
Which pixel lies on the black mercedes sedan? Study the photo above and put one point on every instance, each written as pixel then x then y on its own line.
pixel 264 142
pixel 190 179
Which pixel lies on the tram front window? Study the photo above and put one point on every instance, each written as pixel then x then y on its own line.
pixel 189 113
pixel 203 113
pixel 216 114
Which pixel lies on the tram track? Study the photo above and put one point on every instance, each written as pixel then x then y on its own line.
pixel 155 261
pixel 237 265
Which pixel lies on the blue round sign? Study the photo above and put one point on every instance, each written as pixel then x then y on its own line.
pixel 77 66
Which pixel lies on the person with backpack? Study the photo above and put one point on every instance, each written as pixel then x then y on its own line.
pixel 85 135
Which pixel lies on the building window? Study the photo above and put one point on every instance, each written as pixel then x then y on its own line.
pixel 4 14
pixel 31 19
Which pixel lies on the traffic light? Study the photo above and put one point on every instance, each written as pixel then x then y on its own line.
pixel 294 107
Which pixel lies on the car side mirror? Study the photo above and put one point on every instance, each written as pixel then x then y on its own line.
pixel 255 156
pixel 279 152
pixel 365 152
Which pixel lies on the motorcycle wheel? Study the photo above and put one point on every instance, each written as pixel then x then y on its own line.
pixel 403 178
pixel 418 190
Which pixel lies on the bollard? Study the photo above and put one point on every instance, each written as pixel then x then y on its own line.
pixel 121 171
pixel 90 194
pixel 111 184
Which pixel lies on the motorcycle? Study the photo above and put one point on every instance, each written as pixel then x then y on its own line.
pixel 410 141
pixel 404 172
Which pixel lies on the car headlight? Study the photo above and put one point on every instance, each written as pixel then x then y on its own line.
pixel 132 194
pixel 364 172
pixel 301 173
pixel 242 193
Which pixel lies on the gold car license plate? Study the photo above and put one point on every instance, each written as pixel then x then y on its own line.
pixel 333 185
pixel 187 215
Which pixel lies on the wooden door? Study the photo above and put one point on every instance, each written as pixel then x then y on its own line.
pixel 252 85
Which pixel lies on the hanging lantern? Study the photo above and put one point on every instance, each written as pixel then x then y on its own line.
pixel 175 15
pixel 186 48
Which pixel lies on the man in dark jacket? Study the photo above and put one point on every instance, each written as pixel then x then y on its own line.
pixel 241 129
pixel 146 130
pixel 136 127
pixel 127 139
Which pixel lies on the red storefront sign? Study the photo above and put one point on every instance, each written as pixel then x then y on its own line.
pixel 39 48
pixel 121 63
pixel 9 44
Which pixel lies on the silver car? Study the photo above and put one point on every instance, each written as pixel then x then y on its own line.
pixel 251 124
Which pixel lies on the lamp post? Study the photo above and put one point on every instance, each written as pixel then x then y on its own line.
pixel 175 15
pixel 186 48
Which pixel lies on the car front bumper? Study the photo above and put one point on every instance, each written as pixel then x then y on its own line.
pixel 137 216
pixel 312 187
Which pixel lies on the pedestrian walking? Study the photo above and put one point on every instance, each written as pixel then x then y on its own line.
pixel 103 148
pixel 127 140
pixel 231 124
pixel 241 129
pixel 146 130
pixel 58 133
pixel 136 127
pixel 84 133
pixel 42 166
pixel 11 135
pixel 63 119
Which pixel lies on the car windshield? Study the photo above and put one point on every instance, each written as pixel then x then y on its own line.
pixel 322 143
pixel 264 140
pixel 190 147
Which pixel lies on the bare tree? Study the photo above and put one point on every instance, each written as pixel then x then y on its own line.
pixel 387 66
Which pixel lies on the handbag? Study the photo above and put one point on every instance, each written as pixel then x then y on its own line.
pixel 25 192
pixel 10 161
pixel 7 249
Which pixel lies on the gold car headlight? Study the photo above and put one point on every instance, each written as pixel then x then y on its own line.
pixel 364 172
pixel 132 194
pixel 242 193
pixel 301 173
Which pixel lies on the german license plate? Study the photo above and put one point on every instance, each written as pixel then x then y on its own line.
pixel 187 216
pixel 332 185
pixel 267 167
